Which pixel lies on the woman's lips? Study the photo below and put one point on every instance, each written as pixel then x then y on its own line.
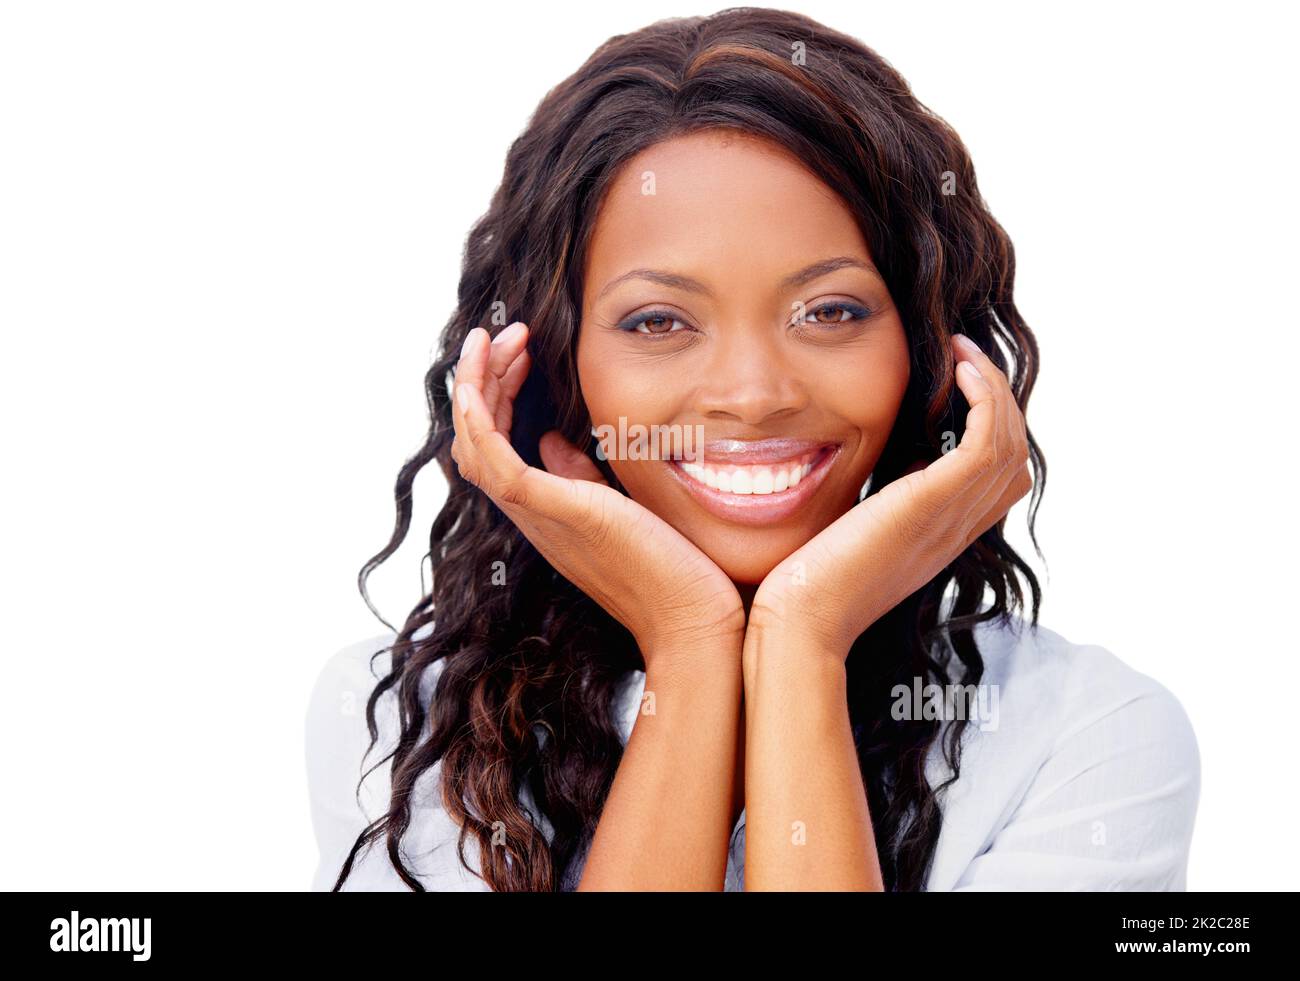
pixel 766 492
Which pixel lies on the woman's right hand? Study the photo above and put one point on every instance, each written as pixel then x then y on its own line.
pixel 642 571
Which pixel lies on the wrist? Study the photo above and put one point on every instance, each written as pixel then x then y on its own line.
pixel 696 693
pixel 717 630
pixel 775 646
pixel 692 658
pixel 817 632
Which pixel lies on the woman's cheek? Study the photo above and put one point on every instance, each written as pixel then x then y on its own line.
pixel 870 389
pixel 637 395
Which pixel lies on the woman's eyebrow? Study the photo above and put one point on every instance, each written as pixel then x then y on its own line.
pixel 809 273
pixel 689 285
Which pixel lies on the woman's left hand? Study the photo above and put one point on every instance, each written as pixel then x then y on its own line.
pixel 895 541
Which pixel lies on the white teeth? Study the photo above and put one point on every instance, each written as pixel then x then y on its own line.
pixel 758 480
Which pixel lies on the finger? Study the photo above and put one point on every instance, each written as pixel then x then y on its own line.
pixel 464 372
pixel 967 483
pixel 967 350
pixel 500 353
pixel 470 365
pixel 998 481
pixel 975 451
pixel 497 469
pixel 510 384
pixel 1008 424
pixel 1015 477
pixel 1007 495
pixel 954 484
pixel 1011 444
pixel 514 376
pixel 505 348
pixel 564 459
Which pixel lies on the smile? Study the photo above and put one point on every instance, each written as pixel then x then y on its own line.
pixel 756 482
pixel 762 479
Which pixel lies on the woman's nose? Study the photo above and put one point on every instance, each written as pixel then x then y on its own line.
pixel 749 381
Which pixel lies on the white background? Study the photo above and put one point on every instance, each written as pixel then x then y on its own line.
pixel 229 233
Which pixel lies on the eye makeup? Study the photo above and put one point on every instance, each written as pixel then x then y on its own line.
pixel 853 313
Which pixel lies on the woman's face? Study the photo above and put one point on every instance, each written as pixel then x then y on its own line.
pixel 727 287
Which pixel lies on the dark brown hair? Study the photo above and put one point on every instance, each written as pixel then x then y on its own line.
pixel 537 656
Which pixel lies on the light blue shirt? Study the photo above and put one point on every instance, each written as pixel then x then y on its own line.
pixel 1077 773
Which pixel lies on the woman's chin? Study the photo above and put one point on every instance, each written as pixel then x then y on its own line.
pixel 747 568
pixel 746 555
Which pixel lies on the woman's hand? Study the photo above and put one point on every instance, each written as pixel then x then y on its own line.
pixel 640 569
pixel 895 541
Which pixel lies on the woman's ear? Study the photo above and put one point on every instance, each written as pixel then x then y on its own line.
pixel 563 459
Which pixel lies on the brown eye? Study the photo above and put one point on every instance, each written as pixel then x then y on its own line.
pixel 656 322
pixel 657 325
pixel 830 314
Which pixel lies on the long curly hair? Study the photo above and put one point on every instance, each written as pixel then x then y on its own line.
pixel 531 667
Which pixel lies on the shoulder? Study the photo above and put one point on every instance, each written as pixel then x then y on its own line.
pixel 349 783
pixel 336 741
pixel 1062 689
pixel 1082 772
pixel 344 684
pixel 348 674
pixel 337 734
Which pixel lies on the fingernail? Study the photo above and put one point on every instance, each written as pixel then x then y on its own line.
pixel 972 370
pixel 462 397
pixel 465 345
pixel 968 344
pixel 510 333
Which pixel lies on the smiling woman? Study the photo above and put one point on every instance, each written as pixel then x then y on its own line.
pixel 680 670
pixel 752 334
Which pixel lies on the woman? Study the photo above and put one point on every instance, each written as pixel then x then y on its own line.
pixel 731 411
